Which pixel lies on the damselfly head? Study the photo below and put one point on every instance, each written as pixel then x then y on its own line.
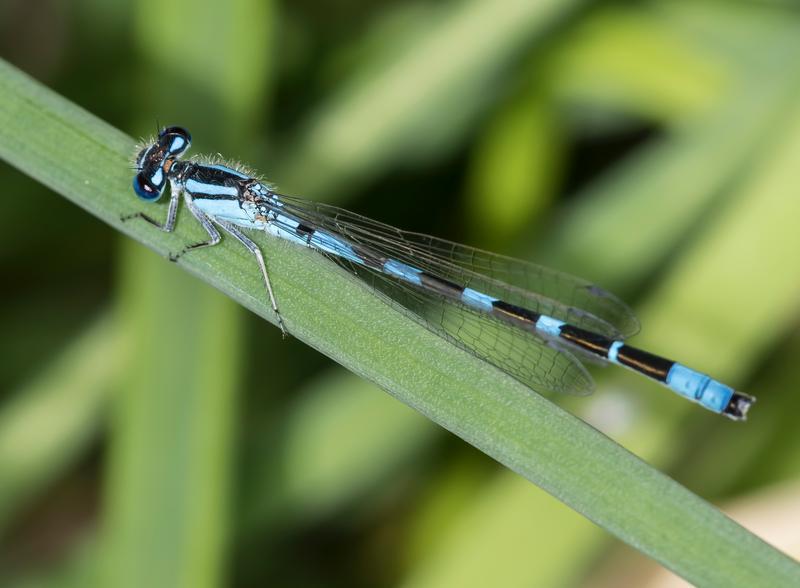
pixel 155 160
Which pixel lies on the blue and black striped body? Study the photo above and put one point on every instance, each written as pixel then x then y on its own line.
pixel 230 197
pixel 225 193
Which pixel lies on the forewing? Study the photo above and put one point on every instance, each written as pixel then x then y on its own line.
pixel 518 282
pixel 534 361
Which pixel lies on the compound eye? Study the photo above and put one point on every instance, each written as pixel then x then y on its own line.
pixel 175 139
pixel 140 158
pixel 146 189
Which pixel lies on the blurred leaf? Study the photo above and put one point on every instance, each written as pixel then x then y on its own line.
pixel 340 438
pixel 667 185
pixel 58 143
pixel 421 99
pixel 741 248
pixel 630 60
pixel 671 183
pixel 456 485
pixel 516 165
pixel 169 468
pixel 78 570
pixel 226 57
pixel 50 422
pixel 511 521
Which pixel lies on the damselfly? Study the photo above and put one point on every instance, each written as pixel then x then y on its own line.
pixel 527 320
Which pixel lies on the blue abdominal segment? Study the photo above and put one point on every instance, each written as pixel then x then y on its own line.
pixel 699 387
pixel 477 300
pixel 549 325
pixel 404 272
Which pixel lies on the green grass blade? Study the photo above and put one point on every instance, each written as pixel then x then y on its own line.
pixel 85 160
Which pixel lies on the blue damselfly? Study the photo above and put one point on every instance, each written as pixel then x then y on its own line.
pixel 528 320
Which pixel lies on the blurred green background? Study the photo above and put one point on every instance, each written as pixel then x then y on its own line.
pixel 154 433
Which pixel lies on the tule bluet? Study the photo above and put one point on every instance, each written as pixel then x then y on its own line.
pixel 530 321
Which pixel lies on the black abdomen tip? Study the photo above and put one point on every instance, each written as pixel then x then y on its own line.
pixel 738 406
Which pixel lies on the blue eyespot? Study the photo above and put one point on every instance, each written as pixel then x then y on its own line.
pixel 145 190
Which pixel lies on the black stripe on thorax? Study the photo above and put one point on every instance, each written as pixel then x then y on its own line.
pixel 204 196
